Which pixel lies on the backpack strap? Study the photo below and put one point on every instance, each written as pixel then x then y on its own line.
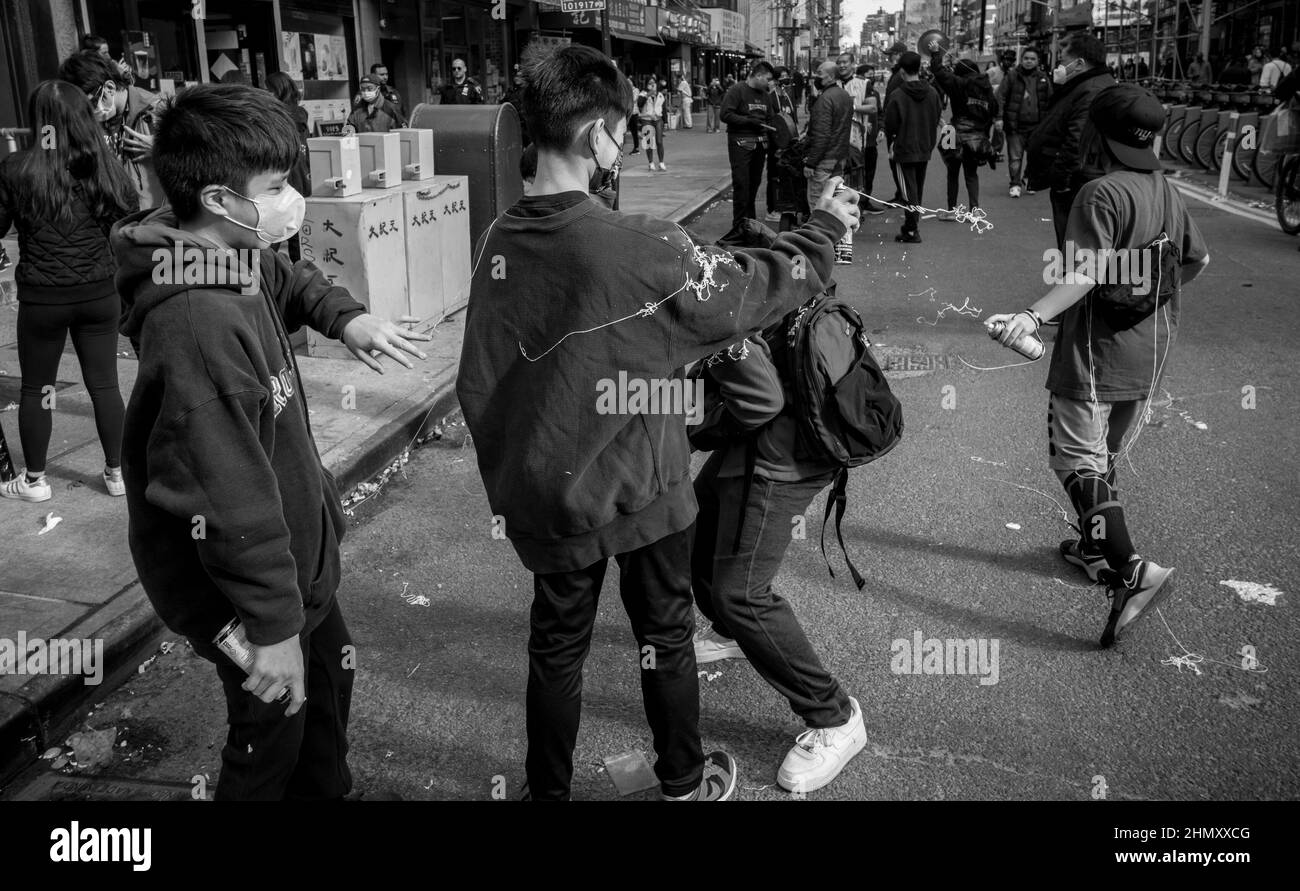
pixel 836 499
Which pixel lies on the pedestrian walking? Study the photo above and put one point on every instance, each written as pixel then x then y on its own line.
pixel 1024 97
pixel 684 91
pixel 125 113
pixel 233 518
pixel 63 197
pixel 1054 148
pixel 575 480
pixel 747 110
pixel 827 155
pixel 1113 342
pixel 895 80
pixel 650 111
pixel 784 105
pixel 911 125
pixel 713 121
pixel 463 89
pixel 974 110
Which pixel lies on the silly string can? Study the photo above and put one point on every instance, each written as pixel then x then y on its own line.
pixel 233 641
pixel 1028 345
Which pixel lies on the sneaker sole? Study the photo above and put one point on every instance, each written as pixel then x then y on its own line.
pixel 30 499
pixel 719 655
pixel 1135 608
pixel 1092 570
pixel 856 746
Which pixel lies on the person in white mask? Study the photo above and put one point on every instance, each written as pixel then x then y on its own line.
pixel 1054 158
pixel 233 518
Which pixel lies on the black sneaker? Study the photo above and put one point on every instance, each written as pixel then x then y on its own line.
pixel 908 237
pixel 1131 593
pixel 1076 552
pixel 718 783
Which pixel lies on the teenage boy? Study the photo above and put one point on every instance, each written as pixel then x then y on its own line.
pixel 732 576
pixel 1105 368
pixel 569 297
pixel 232 515
pixel 912 127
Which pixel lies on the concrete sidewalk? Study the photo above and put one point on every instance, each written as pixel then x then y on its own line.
pixel 77 580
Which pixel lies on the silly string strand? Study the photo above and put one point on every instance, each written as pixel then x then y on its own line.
pixel 976 217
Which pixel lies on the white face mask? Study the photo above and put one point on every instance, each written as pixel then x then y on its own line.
pixel 279 217
pixel 1061 74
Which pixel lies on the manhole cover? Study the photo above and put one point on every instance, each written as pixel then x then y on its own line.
pixel 902 363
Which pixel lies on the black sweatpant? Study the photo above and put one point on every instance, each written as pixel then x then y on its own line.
pixel 913 174
pixel 969 164
pixel 655 585
pixel 733 586
pixel 746 174
pixel 270 757
pixel 42 332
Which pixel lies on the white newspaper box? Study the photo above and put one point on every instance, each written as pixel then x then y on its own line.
pixel 381 160
pixel 417 152
pixel 437 245
pixel 335 163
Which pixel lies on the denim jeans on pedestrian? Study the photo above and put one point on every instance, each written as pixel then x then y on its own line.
pixel 733 586
pixel 655 585
pixel 271 757
pixel 1016 142
pixel 968 163
pixel 712 120
pixel 817 178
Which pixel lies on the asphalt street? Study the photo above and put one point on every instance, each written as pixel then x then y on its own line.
pixel 956 532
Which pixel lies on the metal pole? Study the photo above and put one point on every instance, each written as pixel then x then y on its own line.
pixel 1178 38
pixel 1207 19
pixel 604 31
pixel 1155 28
pixel 983 18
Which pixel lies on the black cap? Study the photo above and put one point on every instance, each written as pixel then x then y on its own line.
pixel 368 79
pixel 1129 117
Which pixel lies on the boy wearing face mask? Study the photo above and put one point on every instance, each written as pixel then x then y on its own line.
pixel 374 113
pixel 232 515
pixel 1079 76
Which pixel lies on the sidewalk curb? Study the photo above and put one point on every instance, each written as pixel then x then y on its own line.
pixel 36 717
pixel 1228 205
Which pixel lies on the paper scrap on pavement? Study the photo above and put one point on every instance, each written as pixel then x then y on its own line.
pixel 1015 526
pixel 1254 591
pixel 50 522
pixel 631 773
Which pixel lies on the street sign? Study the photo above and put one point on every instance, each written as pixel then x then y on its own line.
pixel 582 5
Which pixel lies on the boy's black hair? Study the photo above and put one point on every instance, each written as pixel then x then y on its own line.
pixel 528 163
pixel 1084 46
pixel 93 42
pixel 864 68
pixel 762 66
pixel 910 63
pixel 567 87
pixel 88 71
pixel 220 134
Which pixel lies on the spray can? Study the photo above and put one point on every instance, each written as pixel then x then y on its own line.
pixel 233 641
pixel 1028 345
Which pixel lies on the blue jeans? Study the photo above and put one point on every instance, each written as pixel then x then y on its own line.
pixel 733 587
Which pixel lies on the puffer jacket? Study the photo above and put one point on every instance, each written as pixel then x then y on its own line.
pixel 1013 92
pixel 829 128
pixel 1054 147
pixel 59 261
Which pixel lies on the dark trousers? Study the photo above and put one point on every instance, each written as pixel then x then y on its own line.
pixel 655 585
pixel 42 331
pixel 270 757
pixel 966 163
pixel 746 174
pixel 733 586
pixel 771 176
pixel 893 169
pixel 1017 141
pixel 913 174
pixel 870 157
pixel 1061 203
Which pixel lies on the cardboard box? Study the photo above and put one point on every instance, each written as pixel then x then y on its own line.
pixel 381 155
pixel 417 152
pixel 335 166
pixel 359 242
pixel 437 245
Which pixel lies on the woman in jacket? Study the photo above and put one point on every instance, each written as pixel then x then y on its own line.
pixel 651 113
pixel 63 196
pixel 974 109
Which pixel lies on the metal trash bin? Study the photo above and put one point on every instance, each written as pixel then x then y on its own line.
pixel 482 142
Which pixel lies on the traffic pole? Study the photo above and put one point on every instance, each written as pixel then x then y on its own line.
pixel 1226 167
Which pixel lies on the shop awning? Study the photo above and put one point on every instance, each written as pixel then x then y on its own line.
pixel 636 38
pixel 753 52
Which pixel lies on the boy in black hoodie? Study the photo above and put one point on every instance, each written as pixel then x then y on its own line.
pixel 571 300
pixel 911 124
pixel 232 515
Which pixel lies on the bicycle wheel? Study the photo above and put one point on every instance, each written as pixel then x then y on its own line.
pixel 1205 148
pixel 1172 134
pixel 1288 195
pixel 1220 147
pixel 1187 141
pixel 1266 168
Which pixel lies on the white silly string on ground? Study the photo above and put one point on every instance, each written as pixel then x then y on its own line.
pixel 977 219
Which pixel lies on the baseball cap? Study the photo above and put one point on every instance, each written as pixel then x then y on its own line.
pixel 1128 118
pixel 368 79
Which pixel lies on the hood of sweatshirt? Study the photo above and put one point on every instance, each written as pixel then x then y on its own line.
pixel 157 260
pixel 916 90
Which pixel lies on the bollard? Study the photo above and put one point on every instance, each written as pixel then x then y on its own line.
pixel 1225 169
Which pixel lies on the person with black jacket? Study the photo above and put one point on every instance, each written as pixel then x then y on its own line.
pixel 895 81
pixel 1024 96
pixel 911 126
pixel 827 155
pixel 974 109
pixel 747 110
pixel 232 514
pixel 1054 160
pixel 463 89
pixel 63 197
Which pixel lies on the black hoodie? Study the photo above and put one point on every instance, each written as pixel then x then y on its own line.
pixel 912 121
pixel 231 512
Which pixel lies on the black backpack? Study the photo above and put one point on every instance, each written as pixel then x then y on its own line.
pixel 849 421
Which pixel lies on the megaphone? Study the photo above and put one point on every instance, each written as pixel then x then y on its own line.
pixel 931 42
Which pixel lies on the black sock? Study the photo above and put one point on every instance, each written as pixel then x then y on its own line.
pixel 1101 518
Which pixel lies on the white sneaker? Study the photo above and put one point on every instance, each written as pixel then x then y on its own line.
pixel 113 481
pixel 663 166
pixel 710 646
pixel 818 756
pixel 19 488
pixel 1015 191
